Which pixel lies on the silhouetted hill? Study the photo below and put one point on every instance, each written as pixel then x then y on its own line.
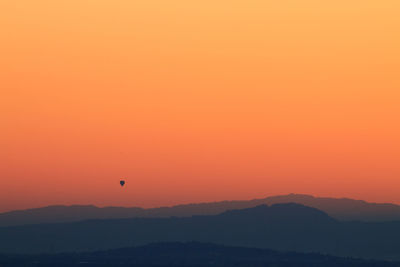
pixel 279 214
pixel 283 227
pixel 341 209
pixel 188 254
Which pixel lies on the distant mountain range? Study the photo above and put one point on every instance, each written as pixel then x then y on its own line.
pixel 188 254
pixel 341 209
pixel 284 227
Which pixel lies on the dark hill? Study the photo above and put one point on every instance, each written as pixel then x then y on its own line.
pixel 287 212
pixel 188 254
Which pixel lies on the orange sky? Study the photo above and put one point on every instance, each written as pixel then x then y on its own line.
pixel 198 100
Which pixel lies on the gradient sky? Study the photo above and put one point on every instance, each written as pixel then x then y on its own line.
pixel 198 100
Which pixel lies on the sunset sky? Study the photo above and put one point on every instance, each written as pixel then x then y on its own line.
pixel 194 101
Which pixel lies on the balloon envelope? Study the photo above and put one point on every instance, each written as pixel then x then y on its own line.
pixel 122 182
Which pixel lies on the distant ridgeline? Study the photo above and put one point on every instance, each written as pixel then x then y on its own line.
pixel 283 227
pixel 340 209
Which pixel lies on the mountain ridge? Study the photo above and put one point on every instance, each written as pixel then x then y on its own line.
pixel 344 209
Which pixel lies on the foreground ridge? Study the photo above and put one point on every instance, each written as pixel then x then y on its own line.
pixel 188 254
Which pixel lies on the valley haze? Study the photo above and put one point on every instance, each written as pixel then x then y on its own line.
pixel 284 227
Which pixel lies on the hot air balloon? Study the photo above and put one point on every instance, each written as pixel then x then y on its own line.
pixel 122 182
